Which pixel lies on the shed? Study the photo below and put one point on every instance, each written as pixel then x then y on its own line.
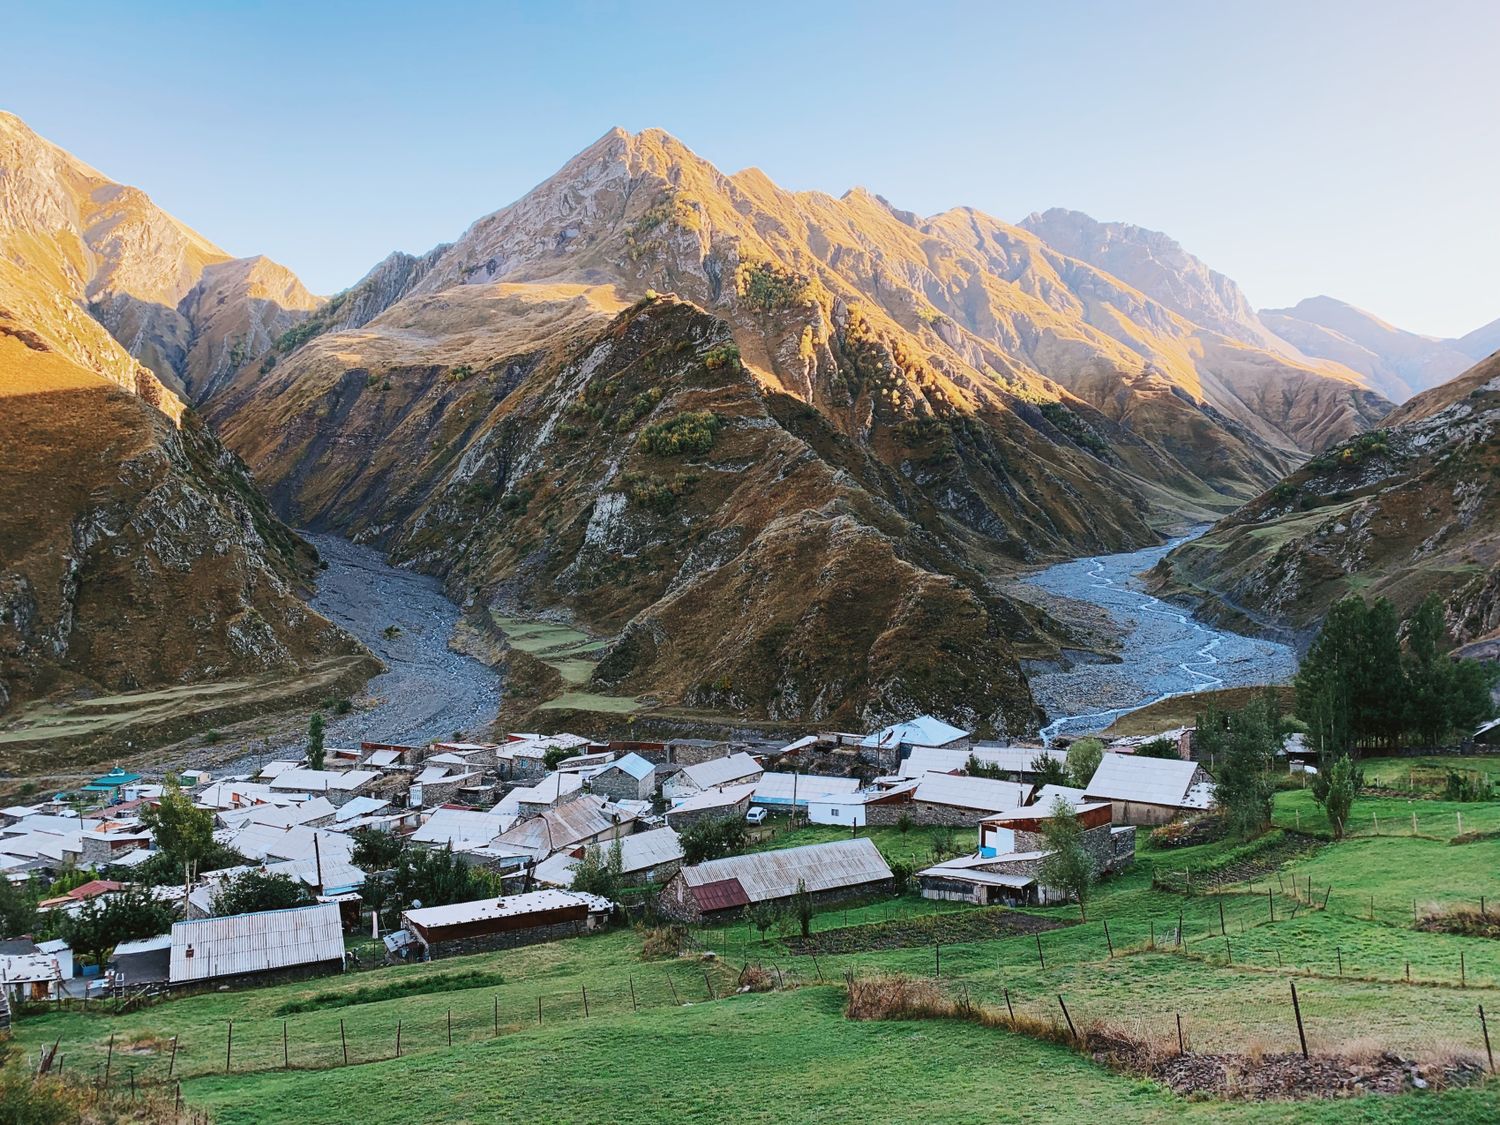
pixel 147 961
pixel 496 923
pixel 305 938
pixel 1150 790
pixel 827 871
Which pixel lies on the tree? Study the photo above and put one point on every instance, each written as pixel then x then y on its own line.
pixel 1158 748
pixel 554 757
pixel 802 907
pixel 259 890
pixel 764 915
pixel 1067 865
pixel 316 756
pixel 437 877
pixel 183 832
pixel 1243 745
pixel 1048 770
pixel 375 850
pixel 904 823
pixel 104 921
pixel 975 768
pixel 17 908
pixel 711 839
pixel 1334 788
pixel 599 872
pixel 1084 757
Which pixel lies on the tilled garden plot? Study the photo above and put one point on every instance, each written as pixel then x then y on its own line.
pixel 906 933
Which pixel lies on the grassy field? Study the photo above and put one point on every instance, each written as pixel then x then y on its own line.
pixel 1183 710
pixel 656 1039
pixel 573 655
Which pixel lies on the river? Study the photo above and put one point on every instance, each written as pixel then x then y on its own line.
pixel 428 691
pixel 1164 650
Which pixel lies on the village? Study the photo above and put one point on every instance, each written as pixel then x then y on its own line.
pixel 694 831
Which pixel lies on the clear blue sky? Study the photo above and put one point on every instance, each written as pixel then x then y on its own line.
pixel 1302 148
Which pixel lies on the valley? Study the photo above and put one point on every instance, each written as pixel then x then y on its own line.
pixel 1163 651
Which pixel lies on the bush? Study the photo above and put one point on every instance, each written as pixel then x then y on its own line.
pixel 663 941
pixel 727 355
pixel 1158 748
pixel 693 431
pixel 712 839
pixel 1467 785
pixel 252 891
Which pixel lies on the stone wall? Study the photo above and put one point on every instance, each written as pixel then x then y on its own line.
pixel 505 939
pixel 681 821
pixel 618 785
pixel 924 813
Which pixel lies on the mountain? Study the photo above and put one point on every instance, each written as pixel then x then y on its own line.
pixel 1398 363
pixel 1158 266
pixel 1404 511
pixel 181 307
pixel 899 406
pixel 134 549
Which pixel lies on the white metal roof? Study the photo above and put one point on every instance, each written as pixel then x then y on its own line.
pixel 970 792
pixel 383 758
pixel 28 967
pixel 144 945
pixel 925 730
pixel 485 909
pixel 460 826
pixel 720 798
pixel 272 770
pixel 775 874
pixel 203 948
pixel 639 852
pixel 321 781
pixel 721 771
pixel 357 807
pixel 807 786
pixel 1149 781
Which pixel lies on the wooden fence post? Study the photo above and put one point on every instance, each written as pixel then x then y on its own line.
pixel 172 1063
pixel 1040 959
pixel 1109 941
pixel 1222 931
pixel 539 1011
pixel 1071 1031
pixel 585 1000
pixel 450 1027
pixel 1181 1046
pixel 634 1007
pixel 1485 1027
pixel 228 1044
pixel 1008 1008
pixel 109 1059
pixel 497 1015
pixel 398 1039
pixel 709 985
pixel 1297 1010
pixel 286 1058
pixel 344 1042
pixel 673 987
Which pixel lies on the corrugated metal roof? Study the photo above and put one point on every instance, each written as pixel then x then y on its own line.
pixel 721 771
pixel 205 948
pixel 808 786
pixel 460 826
pixel 775 874
pixel 723 797
pixel 722 894
pixel 485 909
pixel 382 758
pixel 28 967
pixel 935 759
pixel 632 764
pixel 964 792
pixel 321 781
pixel 925 730
pixel 1148 781
pixel 577 820
pixel 357 807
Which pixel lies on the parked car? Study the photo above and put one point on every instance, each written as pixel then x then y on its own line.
pixel 755 816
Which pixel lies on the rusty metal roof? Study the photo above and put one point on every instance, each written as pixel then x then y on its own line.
pixel 722 894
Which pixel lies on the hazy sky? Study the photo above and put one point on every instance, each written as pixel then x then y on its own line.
pixel 1314 147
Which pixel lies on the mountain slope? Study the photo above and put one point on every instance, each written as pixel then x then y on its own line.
pixel 181 306
pixel 1402 512
pixel 1398 363
pixel 134 551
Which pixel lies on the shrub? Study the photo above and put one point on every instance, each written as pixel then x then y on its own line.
pixel 663 941
pixel 768 288
pixel 726 355
pixel 693 431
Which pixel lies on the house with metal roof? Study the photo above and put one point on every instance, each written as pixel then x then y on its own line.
pixel 30 976
pixel 586 820
pixel 629 777
pixel 925 730
pixel 727 802
pixel 338 786
pixel 734 769
pixel 723 887
pixel 1014 761
pixel 503 923
pixel 305 939
pixel 461 827
pixel 956 800
pixel 1149 791
pixel 645 857
pixel 785 790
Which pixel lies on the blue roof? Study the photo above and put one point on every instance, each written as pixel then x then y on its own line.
pixel 922 731
pixel 113 780
pixel 633 764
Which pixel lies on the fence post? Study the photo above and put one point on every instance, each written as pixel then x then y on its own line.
pixel 228 1044
pixel 1297 1010
pixel 344 1042
pixel 634 1007
pixel 1181 1046
pixel 585 1000
pixel 1485 1027
pixel 286 1058
pixel 172 1064
pixel 1073 1033
pixel 1339 953
pixel 398 1039
pixel 497 1015
pixel 539 1011
pixel 1008 1008
pixel 817 966
pixel 109 1059
pixel 1463 981
pixel 1271 902
pixel 672 985
pixel 1228 957
pixel 1040 959
pixel 1109 941
pixel 709 984
pixel 937 959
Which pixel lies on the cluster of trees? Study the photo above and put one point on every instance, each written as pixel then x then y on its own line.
pixel 1239 748
pixel 426 877
pixel 1083 758
pixel 1359 687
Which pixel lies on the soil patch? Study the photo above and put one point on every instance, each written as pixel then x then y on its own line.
pixel 1292 1076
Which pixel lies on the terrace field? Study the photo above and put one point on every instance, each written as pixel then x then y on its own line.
pixel 625 1039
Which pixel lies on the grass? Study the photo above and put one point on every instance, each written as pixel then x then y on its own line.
pixel 791 1056
pixel 573 655
pixel 1183 710
pixel 1425 776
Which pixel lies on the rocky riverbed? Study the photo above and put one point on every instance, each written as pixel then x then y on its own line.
pixel 428 691
pixel 1163 651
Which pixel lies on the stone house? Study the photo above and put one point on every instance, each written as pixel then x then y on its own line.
pixel 728 802
pixel 629 778
pixel 955 800
pixel 1150 791
pixel 724 888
